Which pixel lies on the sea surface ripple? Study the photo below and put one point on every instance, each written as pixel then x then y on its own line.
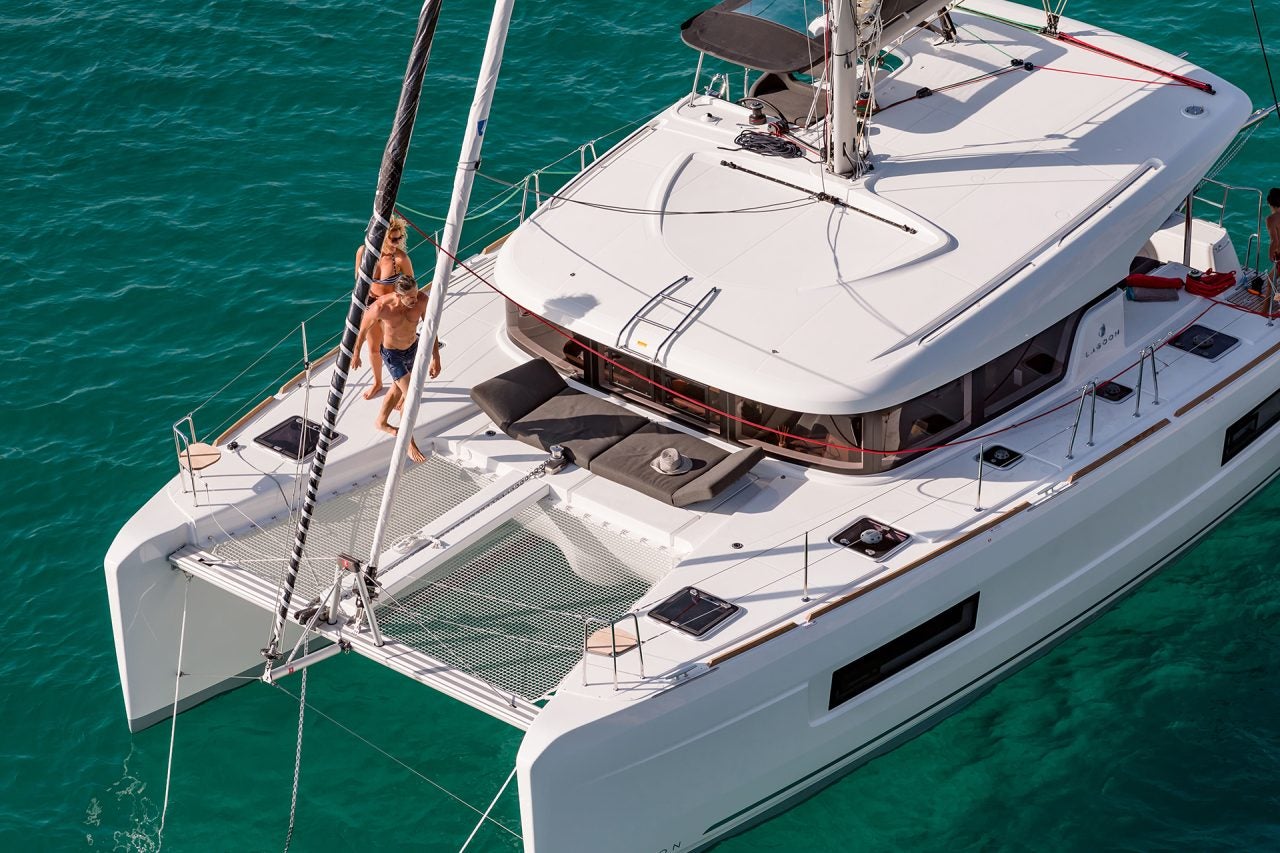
pixel 187 182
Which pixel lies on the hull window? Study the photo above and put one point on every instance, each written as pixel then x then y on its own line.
pixel 1242 433
pixel 896 655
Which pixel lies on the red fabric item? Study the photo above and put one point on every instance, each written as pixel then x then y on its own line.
pixel 1210 283
pixel 1163 281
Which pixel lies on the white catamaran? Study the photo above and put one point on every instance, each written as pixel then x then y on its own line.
pixel 823 400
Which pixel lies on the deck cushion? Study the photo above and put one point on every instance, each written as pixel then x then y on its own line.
pixel 583 424
pixel 510 396
pixel 722 475
pixel 627 462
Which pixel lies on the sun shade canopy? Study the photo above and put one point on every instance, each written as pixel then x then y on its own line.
pixel 773 35
pixel 767 35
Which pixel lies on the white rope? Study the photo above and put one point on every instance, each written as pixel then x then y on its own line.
pixel 173 728
pixel 485 816
pixel 297 756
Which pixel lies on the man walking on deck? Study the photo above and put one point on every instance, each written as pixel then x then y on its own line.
pixel 399 312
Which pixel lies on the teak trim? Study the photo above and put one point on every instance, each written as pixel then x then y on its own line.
pixel 496 244
pixel 877 582
pixel 1107 457
pixel 1224 383
pixel 288 386
pixel 873 584
pixel 235 427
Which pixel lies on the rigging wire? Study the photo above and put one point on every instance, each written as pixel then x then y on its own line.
pixel 173 727
pixel 1265 61
pixel 358 736
pixel 297 755
pixel 480 823
pixel 771 207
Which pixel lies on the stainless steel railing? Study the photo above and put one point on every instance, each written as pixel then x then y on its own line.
pixel 613 643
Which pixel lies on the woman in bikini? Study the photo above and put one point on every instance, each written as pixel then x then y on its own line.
pixel 392 264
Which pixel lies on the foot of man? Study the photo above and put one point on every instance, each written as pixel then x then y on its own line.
pixel 373 391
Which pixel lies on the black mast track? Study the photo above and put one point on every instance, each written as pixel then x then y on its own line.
pixel 384 201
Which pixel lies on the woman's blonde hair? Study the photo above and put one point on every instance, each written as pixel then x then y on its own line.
pixel 399 225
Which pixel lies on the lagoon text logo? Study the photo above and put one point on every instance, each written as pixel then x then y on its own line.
pixel 1104 338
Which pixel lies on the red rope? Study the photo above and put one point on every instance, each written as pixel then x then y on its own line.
pixel 1186 81
pixel 781 433
pixel 1112 76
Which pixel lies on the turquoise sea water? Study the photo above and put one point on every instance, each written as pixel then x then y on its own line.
pixel 185 182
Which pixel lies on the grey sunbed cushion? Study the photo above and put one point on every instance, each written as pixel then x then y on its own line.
pixel 584 425
pixel 628 461
pixel 720 477
pixel 510 396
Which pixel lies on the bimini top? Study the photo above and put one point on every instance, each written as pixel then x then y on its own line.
pixel 774 35
pixel 995 209
pixel 768 35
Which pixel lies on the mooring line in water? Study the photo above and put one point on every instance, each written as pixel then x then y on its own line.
pixel 173 727
pixel 441 788
pixel 485 816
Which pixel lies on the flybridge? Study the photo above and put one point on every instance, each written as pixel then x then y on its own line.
pixel 840 48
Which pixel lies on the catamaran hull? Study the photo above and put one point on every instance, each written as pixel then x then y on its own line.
pixel 754 735
pixel 155 608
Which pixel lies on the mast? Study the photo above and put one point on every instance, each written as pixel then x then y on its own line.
pixel 384 200
pixel 468 163
pixel 842 154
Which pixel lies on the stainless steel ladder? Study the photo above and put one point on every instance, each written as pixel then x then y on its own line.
pixel 664 297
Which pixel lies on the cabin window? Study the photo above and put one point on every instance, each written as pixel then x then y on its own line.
pixel 694 402
pixel 1243 432
pixel 898 654
pixel 632 376
pixel 680 398
pixel 540 337
pixel 1025 370
pixel 820 441
pixel 930 418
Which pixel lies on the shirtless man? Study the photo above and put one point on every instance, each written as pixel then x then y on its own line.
pixel 397 314
pixel 1273 232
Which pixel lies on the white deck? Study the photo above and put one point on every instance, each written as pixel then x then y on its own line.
pixel 994 176
pixel 512 624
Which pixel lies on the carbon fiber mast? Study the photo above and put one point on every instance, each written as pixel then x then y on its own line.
pixel 384 200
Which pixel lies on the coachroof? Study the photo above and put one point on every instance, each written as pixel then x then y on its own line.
pixel 1028 194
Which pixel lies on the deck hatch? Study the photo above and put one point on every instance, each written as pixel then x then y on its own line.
pixel 999 456
pixel 1113 392
pixel 1204 342
pixel 870 538
pixel 291 438
pixel 693 611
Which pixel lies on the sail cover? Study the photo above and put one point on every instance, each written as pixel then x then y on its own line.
pixel 774 35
